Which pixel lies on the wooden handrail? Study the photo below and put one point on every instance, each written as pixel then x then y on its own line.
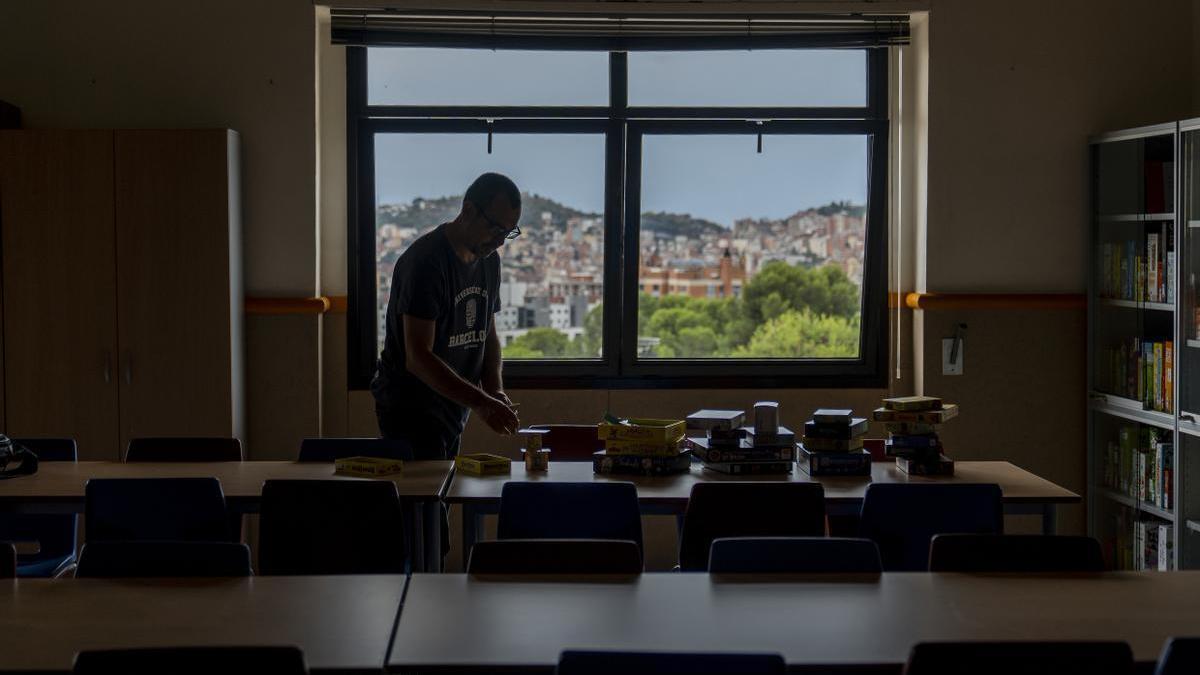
pixel 317 305
pixel 936 301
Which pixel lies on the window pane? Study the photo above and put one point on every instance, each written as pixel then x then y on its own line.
pixel 424 76
pixel 552 276
pixel 772 77
pixel 752 255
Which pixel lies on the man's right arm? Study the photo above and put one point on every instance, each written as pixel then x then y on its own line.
pixel 434 372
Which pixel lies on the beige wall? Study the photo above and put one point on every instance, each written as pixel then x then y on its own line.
pixel 1015 87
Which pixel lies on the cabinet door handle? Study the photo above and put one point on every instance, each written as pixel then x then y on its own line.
pixel 129 370
pixel 107 367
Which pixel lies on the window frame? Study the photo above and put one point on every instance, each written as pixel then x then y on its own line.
pixel 624 127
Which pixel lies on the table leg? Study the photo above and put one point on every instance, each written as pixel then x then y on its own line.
pixel 468 531
pixel 416 525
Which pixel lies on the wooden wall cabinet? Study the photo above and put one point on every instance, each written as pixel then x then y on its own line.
pixel 122 285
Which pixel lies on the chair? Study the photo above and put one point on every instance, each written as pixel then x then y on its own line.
pixel 331 527
pixel 536 510
pixel 1180 656
pixel 331 449
pixel 8 560
pixel 794 555
pixel 1026 658
pixel 669 663
pixel 192 661
pixel 570 442
pixel 155 509
pixel 1014 553
pixel 54 534
pixel 114 559
pixel 555 556
pixel 184 450
pixel 747 509
pixel 902 517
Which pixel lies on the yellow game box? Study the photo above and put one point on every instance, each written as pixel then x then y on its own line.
pixel 642 429
pixel 367 467
pixel 483 463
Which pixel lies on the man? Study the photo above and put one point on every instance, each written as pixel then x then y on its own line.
pixel 441 354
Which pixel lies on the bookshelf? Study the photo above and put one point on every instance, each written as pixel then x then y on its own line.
pixel 1134 327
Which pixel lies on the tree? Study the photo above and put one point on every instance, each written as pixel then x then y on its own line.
pixel 825 290
pixel 803 334
pixel 590 342
pixel 516 351
pixel 547 342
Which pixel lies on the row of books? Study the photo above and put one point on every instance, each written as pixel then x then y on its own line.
pixel 1140 464
pixel 1140 544
pixel 724 443
pixel 1140 270
pixel 1142 370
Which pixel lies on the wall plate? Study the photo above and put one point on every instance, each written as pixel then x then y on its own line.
pixel 955 368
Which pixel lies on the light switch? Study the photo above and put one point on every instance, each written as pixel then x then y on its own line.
pixel 955 368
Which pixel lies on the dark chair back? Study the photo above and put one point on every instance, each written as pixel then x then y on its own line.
pixel 747 509
pixel 331 449
pixel 1014 553
pixel 192 661
pixel 1180 656
pixel 555 556
pixel 54 534
pixel 794 555
pixel 901 518
pixel 1026 658
pixel 536 510
pixel 331 527
pixel 113 559
pixel 184 450
pixel 692 663
pixel 570 442
pixel 155 509
pixel 8 560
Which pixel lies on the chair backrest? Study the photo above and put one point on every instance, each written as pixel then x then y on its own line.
pixel 555 556
pixel 1180 656
pixel 8 560
pixel 570 442
pixel 747 509
pixel 331 527
pixel 155 509
pixel 112 559
pixel 55 534
pixel 331 449
pixel 1026 658
pixel 692 663
pixel 217 449
pixel 794 555
pixel 901 518
pixel 192 661
pixel 1014 553
pixel 545 510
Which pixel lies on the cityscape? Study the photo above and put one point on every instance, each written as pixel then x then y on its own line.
pixel 552 275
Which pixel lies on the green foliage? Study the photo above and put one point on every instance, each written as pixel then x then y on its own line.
pixel 802 334
pixel 544 342
pixel 823 290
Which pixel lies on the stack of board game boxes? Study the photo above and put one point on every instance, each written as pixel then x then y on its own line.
pixel 641 447
pixel 912 425
pixel 833 444
pixel 729 446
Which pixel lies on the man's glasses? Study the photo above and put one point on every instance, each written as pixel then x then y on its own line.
pixel 508 234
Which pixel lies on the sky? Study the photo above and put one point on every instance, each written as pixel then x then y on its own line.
pixel 720 178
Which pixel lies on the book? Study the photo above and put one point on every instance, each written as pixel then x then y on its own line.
pixel 948 412
pixel 617 447
pixel 604 463
pixel 942 466
pixel 857 427
pixel 716 419
pixel 750 468
pixel 483 464
pixel 914 441
pixel 912 403
pixel 367 467
pixel 783 437
pixel 922 453
pixel 833 444
pixel 834 463
pixel 911 428
pixel 641 429
pixel 832 416
pixel 727 434
pixel 707 453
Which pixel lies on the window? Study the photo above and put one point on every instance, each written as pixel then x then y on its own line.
pixel 689 218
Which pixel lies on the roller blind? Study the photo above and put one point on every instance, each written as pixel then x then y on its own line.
pixel 626 31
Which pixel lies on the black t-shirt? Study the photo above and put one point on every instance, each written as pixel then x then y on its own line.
pixel 431 282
